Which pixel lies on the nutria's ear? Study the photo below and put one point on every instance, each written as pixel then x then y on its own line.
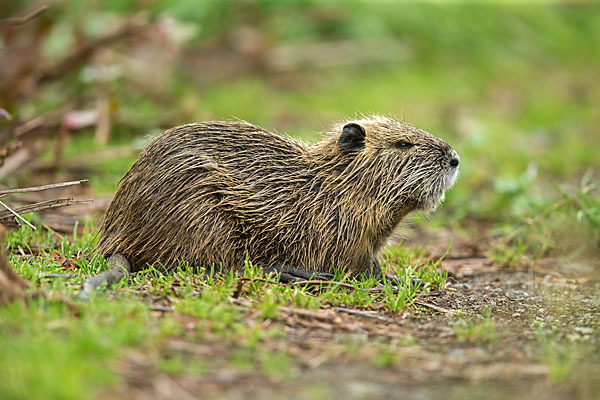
pixel 352 138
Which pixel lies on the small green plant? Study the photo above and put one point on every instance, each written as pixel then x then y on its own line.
pixel 403 255
pixel 560 357
pixel 433 274
pixel 268 304
pixel 481 328
pixel 509 255
pixel 398 298
pixel 386 356
pixel 275 363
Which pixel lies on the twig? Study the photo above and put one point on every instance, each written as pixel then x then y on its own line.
pixel 161 308
pixel 43 206
pixel 434 307
pixel 5 114
pixel 256 279
pixel 53 275
pixel 83 53
pixel 60 237
pixel 44 187
pixel 13 212
pixel 322 283
pixel 366 314
pixel 308 313
pixel 381 290
pixel 17 160
pixel 24 19
pixel 240 284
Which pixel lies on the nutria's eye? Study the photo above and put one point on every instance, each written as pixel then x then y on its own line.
pixel 403 144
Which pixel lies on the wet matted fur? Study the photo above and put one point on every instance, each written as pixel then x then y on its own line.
pixel 214 193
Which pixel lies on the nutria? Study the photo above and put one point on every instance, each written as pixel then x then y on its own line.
pixel 218 193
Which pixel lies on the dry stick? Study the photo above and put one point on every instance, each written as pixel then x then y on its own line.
pixel 5 114
pixel 44 187
pixel 48 121
pixel 322 283
pixel 161 308
pixel 248 279
pixel 83 53
pixel 43 206
pixel 60 237
pixel 13 212
pixel 308 313
pixel 366 314
pixel 240 284
pixel 434 307
pixel 25 19
pixel 53 275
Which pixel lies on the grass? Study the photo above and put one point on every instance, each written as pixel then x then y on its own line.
pixel 479 329
pixel 52 351
pixel 567 359
pixel 60 328
pixel 561 358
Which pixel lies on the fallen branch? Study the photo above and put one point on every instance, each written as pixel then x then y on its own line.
pixel 434 307
pixel 161 308
pixel 256 279
pixel 17 160
pixel 54 275
pixel 16 214
pixel 5 114
pixel 44 205
pixel 322 315
pixel 24 19
pixel 49 229
pixel 82 54
pixel 43 187
pixel 322 283
pixel 366 314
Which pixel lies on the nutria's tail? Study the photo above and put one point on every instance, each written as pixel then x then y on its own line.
pixel 118 268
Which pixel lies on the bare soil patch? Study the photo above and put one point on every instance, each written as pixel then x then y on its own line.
pixel 481 336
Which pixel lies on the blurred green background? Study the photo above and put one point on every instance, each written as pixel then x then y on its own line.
pixel 513 86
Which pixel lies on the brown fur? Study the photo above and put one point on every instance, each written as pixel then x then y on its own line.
pixel 212 193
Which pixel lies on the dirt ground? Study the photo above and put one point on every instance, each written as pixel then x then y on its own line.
pixel 505 314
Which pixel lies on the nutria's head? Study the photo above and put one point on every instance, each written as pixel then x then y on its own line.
pixel 399 166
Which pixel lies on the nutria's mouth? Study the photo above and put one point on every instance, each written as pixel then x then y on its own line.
pixel 437 191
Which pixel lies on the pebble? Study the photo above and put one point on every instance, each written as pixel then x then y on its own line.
pixel 584 330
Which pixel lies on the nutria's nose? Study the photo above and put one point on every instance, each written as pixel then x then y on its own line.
pixel 454 162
